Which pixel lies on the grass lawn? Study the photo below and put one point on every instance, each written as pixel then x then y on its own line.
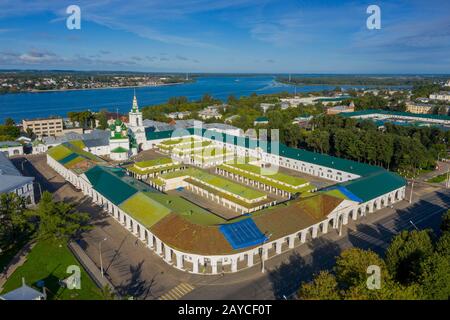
pixel 268 179
pixel 59 152
pixel 291 180
pixel 438 179
pixel 7 255
pixel 144 209
pixel 48 261
pixel 186 209
pixel 154 162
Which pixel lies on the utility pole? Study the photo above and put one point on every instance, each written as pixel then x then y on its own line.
pixel 411 194
pixel 101 261
pixel 447 184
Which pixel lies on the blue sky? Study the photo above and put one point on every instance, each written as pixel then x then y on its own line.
pixel 262 36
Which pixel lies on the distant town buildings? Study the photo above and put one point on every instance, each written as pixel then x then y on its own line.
pixel 12 181
pixel 294 102
pixel 381 117
pixel 179 115
pixel 441 96
pixel 266 106
pixel 341 109
pixel 419 108
pixel 52 126
pixel 211 112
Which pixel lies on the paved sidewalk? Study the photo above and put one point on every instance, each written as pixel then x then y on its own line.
pixel 89 265
pixel 18 260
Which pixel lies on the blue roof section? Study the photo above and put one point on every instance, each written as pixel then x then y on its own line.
pixel 345 192
pixel 69 158
pixel 242 234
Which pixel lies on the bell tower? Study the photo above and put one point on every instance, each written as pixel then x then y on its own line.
pixel 135 115
pixel 136 124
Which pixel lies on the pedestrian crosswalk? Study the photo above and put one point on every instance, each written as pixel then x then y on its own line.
pixel 178 292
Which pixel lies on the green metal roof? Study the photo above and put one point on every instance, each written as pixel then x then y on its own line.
pixel 262 119
pixel 108 182
pixel 395 113
pixel 375 185
pixel 119 150
pixel 325 160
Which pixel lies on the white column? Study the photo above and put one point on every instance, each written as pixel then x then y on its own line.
pixel 213 265
pixel 195 264
pixel 158 246
pixel 278 247
pixel 314 231
pixel 250 259
pixel 291 241
pixel 179 261
pixel 303 236
pixel 167 254
pixel 233 265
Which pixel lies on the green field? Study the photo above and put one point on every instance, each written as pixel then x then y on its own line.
pixel 59 152
pixel 186 209
pixel 152 163
pixel 48 262
pixel 144 209
pixel 290 180
pixel 218 182
pixel 265 180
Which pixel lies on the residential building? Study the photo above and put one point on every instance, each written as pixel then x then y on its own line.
pixel 341 109
pixel 24 293
pixel 211 112
pixel 441 96
pixel 12 181
pixel 419 108
pixel 179 115
pixel 43 127
pixel 11 148
pixel 266 106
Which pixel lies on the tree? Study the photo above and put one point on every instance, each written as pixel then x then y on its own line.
pixel 10 122
pixel 406 253
pixel 435 277
pixel 13 222
pixel 102 120
pixel 323 287
pixel 445 224
pixel 443 245
pixel 351 267
pixel 58 220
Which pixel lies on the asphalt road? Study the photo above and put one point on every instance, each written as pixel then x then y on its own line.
pixel 282 280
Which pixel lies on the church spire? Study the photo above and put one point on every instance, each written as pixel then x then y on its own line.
pixel 135 104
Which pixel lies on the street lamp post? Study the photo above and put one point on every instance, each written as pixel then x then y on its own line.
pixel 263 269
pixel 101 260
pixel 447 184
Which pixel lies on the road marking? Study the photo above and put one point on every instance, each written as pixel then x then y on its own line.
pixel 178 292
